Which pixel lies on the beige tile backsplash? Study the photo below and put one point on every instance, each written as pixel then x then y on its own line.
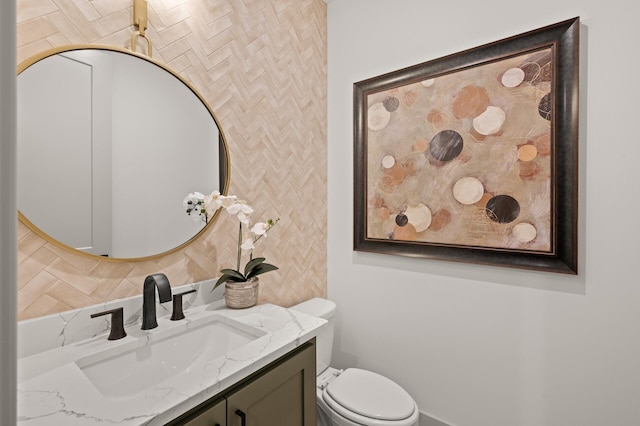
pixel 248 60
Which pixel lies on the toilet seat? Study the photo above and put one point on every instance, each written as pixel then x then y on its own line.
pixel 365 397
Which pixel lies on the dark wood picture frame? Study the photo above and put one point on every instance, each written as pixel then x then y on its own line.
pixel 452 159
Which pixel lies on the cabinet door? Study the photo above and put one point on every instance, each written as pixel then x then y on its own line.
pixel 214 415
pixel 284 395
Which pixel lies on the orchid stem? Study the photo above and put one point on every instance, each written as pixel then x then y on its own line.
pixel 239 246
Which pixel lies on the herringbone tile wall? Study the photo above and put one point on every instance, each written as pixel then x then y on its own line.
pixel 261 66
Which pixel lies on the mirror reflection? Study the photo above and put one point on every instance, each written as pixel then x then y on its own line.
pixel 109 143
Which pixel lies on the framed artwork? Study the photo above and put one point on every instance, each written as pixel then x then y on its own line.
pixel 473 157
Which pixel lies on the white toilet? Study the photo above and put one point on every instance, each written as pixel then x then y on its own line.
pixel 354 397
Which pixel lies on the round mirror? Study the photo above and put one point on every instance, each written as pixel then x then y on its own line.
pixel 109 144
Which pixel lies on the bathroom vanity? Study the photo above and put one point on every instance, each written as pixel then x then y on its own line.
pixel 214 367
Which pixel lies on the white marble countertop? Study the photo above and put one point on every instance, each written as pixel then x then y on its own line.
pixel 52 389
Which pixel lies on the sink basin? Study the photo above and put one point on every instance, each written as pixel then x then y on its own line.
pixel 150 360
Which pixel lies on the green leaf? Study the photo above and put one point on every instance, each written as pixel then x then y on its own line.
pixel 226 278
pixel 252 264
pixel 261 269
pixel 229 275
pixel 234 273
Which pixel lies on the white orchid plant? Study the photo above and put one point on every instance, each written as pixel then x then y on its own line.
pixel 201 207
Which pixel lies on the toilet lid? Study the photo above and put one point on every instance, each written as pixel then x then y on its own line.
pixel 370 395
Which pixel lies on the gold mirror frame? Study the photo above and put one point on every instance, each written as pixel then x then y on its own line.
pixel 224 149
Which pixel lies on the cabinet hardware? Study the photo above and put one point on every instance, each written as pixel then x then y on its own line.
pixel 243 417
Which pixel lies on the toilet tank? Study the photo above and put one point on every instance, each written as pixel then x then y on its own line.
pixel 325 309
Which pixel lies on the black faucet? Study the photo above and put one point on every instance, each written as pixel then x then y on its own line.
pixel 149 320
pixel 117 323
pixel 178 313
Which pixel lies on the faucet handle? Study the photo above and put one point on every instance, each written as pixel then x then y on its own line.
pixel 177 313
pixel 117 322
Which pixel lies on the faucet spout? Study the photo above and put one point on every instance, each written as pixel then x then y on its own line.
pixel 160 281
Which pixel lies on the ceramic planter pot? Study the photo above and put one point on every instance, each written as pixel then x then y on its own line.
pixel 241 295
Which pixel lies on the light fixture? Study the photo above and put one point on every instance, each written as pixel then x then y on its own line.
pixel 140 22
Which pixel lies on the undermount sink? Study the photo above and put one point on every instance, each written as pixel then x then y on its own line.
pixel 148 361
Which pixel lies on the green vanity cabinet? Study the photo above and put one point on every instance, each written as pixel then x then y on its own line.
pixel 282 393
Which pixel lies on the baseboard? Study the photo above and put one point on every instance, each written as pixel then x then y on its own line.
pixel 426 420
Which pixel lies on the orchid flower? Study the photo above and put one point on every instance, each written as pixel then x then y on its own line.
pixel 247 244
pixel 240 209
pixel 194 206
pixel 207 205
pixel 260 228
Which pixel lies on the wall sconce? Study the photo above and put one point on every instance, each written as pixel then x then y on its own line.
pixel 140 22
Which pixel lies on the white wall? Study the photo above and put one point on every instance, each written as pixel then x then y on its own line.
pixel 488 346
